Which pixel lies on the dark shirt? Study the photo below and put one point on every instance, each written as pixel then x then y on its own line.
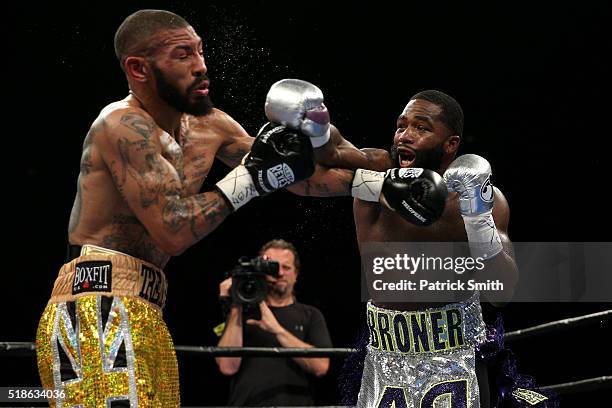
pixel 265 381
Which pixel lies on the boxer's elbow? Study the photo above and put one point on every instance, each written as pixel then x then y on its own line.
pixel 171 244
pixel 300 188
pixel 321 367
pixel 175 250
pixel 177 246
pixel 228 365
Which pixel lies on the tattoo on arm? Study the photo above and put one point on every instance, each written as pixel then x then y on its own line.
pixel 321 188
pixel 155 183
pixel 203 213
pixel 138 123
pixel 233 156
pixel 325 183
pixel 152 175
pixel 199 163
pixel 86 163
pixel 337 182
pixel 213 212
pixel 307 188
pixel 149 174
pixel 176 212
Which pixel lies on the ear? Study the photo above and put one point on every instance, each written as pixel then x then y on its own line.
pixel 136 68
pixel 452 144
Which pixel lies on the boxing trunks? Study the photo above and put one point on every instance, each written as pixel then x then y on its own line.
pixel 102 341
pixel 422 359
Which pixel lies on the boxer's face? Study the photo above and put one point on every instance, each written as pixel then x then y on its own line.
pixel 179 71
pixel 287 274
pixel 420 136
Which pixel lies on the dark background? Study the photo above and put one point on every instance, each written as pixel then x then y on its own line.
pixel 531 79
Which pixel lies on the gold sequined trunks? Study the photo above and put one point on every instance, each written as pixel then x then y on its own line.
pixel 102 341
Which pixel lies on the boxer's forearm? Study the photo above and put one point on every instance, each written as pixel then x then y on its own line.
pixel 336 162
pixel 503 268
pixel 316 365
pixel 184 221
pixel 232 337
pixel 341 153
pixel 325 182
pixel 332 153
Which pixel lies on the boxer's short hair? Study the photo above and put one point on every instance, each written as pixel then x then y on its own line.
pixel 133 35
pixel 452 114
pixel 282 244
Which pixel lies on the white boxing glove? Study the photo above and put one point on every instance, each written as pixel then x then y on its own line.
pixel 299 105
pixel 470 176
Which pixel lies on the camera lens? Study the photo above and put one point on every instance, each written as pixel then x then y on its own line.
pixel 251 290
pixel 248 288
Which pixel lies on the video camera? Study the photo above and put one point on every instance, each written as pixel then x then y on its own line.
pixel 249 284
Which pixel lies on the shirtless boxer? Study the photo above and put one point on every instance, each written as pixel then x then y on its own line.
pixel 101 340
pixel 407 204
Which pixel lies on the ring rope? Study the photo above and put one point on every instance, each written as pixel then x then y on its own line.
pixel 557 325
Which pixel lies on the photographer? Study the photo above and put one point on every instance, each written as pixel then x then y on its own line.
pixel 282 322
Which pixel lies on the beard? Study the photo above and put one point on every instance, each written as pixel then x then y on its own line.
pixel 278 290
pixel 170 94
pixel 430 159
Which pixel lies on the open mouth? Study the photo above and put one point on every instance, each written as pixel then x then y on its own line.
pixel 406 156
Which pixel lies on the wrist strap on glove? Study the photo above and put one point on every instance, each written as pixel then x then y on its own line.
pixel 482 235
pixel 367 184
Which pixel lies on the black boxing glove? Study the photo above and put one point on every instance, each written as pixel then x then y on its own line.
pixel 278 158
pixel 418 195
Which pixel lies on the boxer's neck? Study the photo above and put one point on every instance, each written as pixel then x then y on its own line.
pixel 165 116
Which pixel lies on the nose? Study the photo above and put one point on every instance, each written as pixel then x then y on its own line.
pixel 407 136
pixel 199 68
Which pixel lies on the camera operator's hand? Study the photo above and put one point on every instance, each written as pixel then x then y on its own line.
pixel 224 287
pixel 314 365
pixel 268 321
pixel 229 309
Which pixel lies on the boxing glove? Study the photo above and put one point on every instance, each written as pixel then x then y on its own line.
pixel 299 105
pixel 418 195
pixel 278 158
pixel 470 176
